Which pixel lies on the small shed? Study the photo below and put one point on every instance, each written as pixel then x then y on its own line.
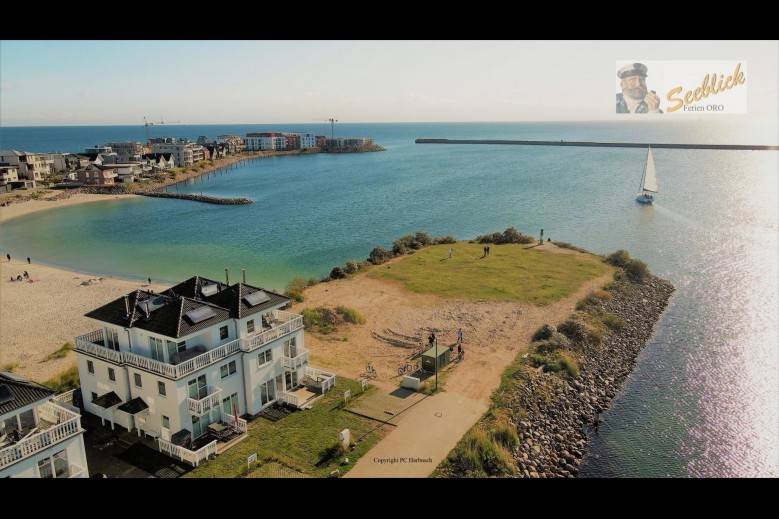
pixel 429 358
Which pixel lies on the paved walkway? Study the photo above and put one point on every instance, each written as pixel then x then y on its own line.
pixel 428 431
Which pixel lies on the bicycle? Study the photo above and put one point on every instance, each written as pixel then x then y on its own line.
pixel 370 371
pixel 408 368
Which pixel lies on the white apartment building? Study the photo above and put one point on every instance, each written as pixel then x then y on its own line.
pixel 40 435
pixel 8 174
pixel 265 141
pixel 202 353
pixel 30 166
pixel 307 140
pixel 184 153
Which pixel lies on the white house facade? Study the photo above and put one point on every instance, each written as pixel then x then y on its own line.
pixel 40 435
pixel 203 352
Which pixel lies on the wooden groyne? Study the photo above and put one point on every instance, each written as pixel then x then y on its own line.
pixel 603 144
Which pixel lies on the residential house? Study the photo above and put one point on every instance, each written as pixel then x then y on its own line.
pixel 8 174
pixel 40 434
pixel 30 166
pixel 160 161
pixel 185 153
pixel 266 141
pixel 97 175
pixel 234 143
pixel 193 359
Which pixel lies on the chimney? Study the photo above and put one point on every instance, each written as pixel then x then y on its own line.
pixel 127 306
pixel 147 309
pixel 227 278
pixel 244 275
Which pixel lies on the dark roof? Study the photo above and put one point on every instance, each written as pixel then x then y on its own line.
pixel 134 406
pixel 107 400
pixel 233 298
pixel 22 392
pixel 183 438
pixel 168 310
pixel 156 156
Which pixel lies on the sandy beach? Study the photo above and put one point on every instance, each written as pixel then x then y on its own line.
pixel 37 318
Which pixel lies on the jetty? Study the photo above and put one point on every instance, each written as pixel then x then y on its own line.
pixel 603 144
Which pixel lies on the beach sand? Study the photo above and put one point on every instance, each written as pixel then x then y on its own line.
pixel 37 318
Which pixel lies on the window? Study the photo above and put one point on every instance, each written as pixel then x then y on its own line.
pixel 165 422
pixel 227 369
pixel 54 466
pixel 197 388
pixel 267 392
pixel 138 380
pixel 174 347
pixel 229 402
pixel 161 388
pixel 265 357
pixel 250 326
pixel 112 339
pixel 111 375
pixel 155 345
pixel 223 333
pixel 91 367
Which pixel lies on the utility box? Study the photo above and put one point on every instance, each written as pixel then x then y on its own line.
pixel 431 357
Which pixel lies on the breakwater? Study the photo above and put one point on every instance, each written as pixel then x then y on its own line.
pixel 602 144
pixel 201 198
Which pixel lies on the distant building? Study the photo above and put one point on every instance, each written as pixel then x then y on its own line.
pixel 185 153
pixel 126 148
pixel 8 174
pixel 321 141
pixel 234 144
pixel 266 141
pixel 97 175
pixel 30 166
pixel 348 142
pixel 40 434
pixel 183 365
pixel 98 150
pixel 160 161
pixel 62 162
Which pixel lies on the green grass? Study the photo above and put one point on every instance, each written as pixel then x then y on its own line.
pixel 510 273
pixel 301 440
pixel 65 381
pixel 60 353
pixel 9 367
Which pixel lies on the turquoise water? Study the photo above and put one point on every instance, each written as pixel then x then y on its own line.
pixel 703 400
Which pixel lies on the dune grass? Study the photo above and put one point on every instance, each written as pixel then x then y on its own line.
pixel 511 272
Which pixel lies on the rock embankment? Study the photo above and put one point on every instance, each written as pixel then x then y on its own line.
pixel 559 412
pixel 201 198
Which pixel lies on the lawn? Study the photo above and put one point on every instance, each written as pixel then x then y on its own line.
pixel 511 272
pixel 300 440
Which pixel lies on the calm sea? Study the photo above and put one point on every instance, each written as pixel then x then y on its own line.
pixel 704 398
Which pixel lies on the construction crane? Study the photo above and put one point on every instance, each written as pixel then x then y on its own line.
pixel 332 125
pixel 147 124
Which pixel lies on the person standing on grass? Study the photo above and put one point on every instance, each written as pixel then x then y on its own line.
pixel 450 252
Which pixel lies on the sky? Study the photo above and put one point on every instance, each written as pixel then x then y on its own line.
pixel 63 83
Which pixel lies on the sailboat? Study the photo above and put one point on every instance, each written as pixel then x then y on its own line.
pixel 648 180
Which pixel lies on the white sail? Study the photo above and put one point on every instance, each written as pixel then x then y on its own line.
pixel 650 179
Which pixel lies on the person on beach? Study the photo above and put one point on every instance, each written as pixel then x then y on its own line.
pixel 8 256
pixel 19 278
pixel 26 275
pixel 459 335
pixel 28 260
pixel 149 281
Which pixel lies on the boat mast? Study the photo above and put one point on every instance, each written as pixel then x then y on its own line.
pixel 643 173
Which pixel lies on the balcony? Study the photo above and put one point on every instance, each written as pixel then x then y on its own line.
pixel 55 424
pixel 91 344
pixel 205 404
pixel 283 323
pixel 298 361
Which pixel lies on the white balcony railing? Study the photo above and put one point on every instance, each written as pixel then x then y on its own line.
pixel 239 425
pixel 288 323
pixel 211 400
pixel 321 377
pixel 294 363
pixel 192 457
pixel 85 344
pixel 67 424
pixel 290 398
pixel 92 344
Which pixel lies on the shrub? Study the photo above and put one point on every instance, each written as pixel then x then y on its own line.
pixel 350 315
pixel 592 299
pixel 613 321
pixel 618 259
pixel 568 364
pixel 566 245
pixel 477 453
pixel 379 255
pixel 575 329
pixel 337 273
pixel 557 341
pixel 510 235
pixel 423 238
pixel 637 269
pixel 294 289
pixel 445 240
pixel 311 316
pixel 543 333
pixel 352 266
pixel 505 434
pixel 60 353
